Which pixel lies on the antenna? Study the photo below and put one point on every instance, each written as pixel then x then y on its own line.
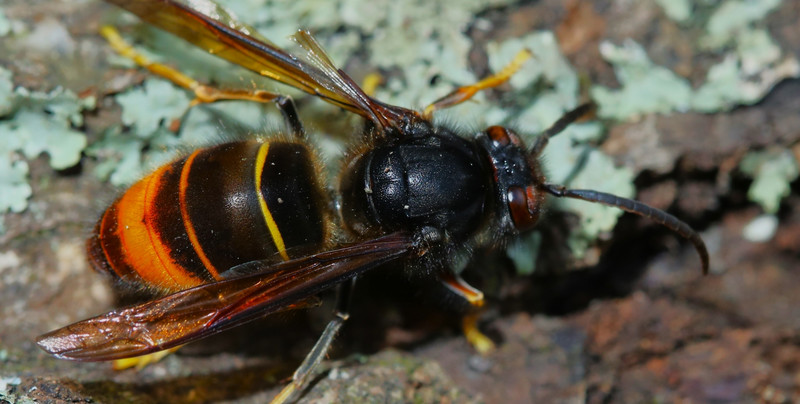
pixel 560 125
pixel 637 208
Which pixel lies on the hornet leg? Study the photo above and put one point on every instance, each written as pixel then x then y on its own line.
pixel 203 94
pixel 464 93
pixel 469 324
pixel 301 376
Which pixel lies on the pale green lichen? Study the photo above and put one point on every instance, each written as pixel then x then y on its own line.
pixel 646 88
pixel 756 49
pixel 733 16
pixel 154 104
pixel 744 77
pixel 8 26
pixel 523 252
pixel 772 172
pixel 717 90
pixel 572 162
pixel 752 64
pixel 148 112
pixel 425 39
pixel 36 122
pixel 122 160
pixel 5 24
pixel 557 81
pixel 33 123
pixel 14 184
pixel 12 398
pixel 33 132
pixel 678 10
pixel 7 383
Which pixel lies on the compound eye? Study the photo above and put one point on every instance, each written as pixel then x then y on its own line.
pixel 524 203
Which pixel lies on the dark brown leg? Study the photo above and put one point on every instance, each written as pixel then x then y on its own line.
pixel 300 378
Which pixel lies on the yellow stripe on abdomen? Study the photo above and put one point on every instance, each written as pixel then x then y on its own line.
pixel 261 159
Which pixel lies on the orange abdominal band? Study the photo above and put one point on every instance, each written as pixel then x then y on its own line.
pixel 144 250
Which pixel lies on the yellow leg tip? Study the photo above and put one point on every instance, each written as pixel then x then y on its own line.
pixel 475 337
pixel 371 83
pixel 428 111
pixel 108 31
pixel 480 342
pixel 140 362
pixel 465 93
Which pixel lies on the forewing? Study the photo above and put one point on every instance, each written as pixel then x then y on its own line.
pixel 208 26
pixel 208 309
pixel 383 115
